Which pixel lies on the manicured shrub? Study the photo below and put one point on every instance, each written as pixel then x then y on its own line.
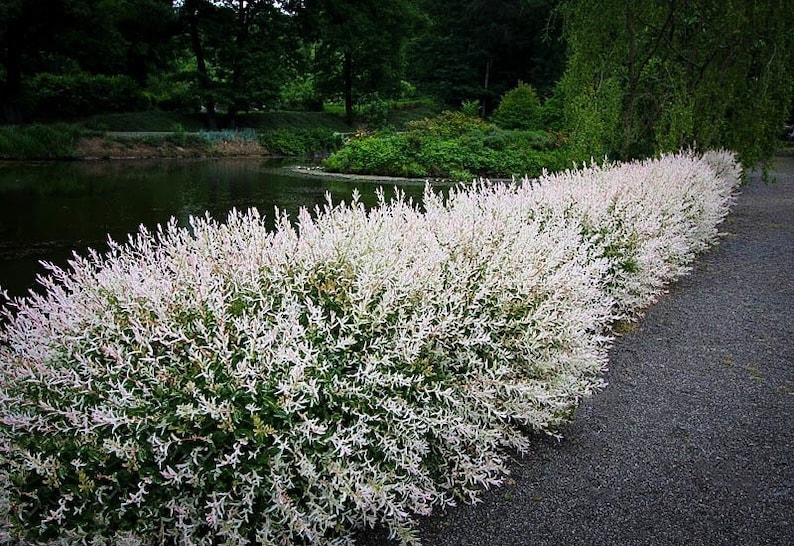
pixel 519 109
pixel 226 383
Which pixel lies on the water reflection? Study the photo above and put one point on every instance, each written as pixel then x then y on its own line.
pixel 49 210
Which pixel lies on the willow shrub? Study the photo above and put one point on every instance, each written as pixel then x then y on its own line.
pixel 226 383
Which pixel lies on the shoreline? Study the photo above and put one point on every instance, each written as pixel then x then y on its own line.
pixel 318 171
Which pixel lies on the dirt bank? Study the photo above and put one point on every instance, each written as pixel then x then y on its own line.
pixel 147 147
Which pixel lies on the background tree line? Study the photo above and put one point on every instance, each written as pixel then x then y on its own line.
pixel 627 78
pixel 242 55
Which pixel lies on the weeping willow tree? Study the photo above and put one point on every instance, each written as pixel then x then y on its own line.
pixel 649 76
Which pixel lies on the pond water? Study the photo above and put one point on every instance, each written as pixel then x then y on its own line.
pixel 49 210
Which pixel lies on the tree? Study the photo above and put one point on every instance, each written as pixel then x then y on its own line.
pixel 702 73
pixel 519 109
pixel 360 45
pixel 78 38
pixel 146 29
pixel 479 49
pixel 241 49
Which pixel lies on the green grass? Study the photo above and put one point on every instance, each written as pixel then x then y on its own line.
pixel 38 141
pixel 151 120
pixel 268 121
pixel 198 143
pixel 331 119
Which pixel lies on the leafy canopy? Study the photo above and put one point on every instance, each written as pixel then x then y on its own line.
pixel 646 77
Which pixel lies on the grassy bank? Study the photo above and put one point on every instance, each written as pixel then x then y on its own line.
pixel 129 139
pixel 171 134
pixel 58 141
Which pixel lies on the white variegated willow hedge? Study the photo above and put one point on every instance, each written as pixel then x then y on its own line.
pixel 229 384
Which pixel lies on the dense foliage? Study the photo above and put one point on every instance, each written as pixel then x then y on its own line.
pixel 80 94
pixel 519 108
pixel 645 76
pixel 229 57
pixel 229 383
pixel 452 145
pixel 627 79
pixel 479 49
pixel 307 142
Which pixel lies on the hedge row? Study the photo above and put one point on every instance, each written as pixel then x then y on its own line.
pixel 225 383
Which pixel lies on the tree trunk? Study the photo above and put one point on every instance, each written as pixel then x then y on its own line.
pixel 240 40
pixel 348 77
pixel 191 7
pixel 487 82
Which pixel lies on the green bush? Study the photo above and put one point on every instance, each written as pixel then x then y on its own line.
pixel 389 155
pixel 449 124
pixel 471 108
pixel 39 141
pixel 455 146
pixel 519 109
pixel 54 96
pixel 301 94
pixel 526 140
pixel 300 142
pixel 374 113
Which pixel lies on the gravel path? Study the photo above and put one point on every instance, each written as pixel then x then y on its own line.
pixel 692 441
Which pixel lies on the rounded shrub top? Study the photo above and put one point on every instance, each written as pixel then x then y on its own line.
pixel 520 109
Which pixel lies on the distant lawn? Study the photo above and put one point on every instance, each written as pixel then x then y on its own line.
pixel 294 120
pixel 401 112
pixel 150 120
pixel 332 118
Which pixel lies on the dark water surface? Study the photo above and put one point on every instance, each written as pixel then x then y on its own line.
pixel 49 210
